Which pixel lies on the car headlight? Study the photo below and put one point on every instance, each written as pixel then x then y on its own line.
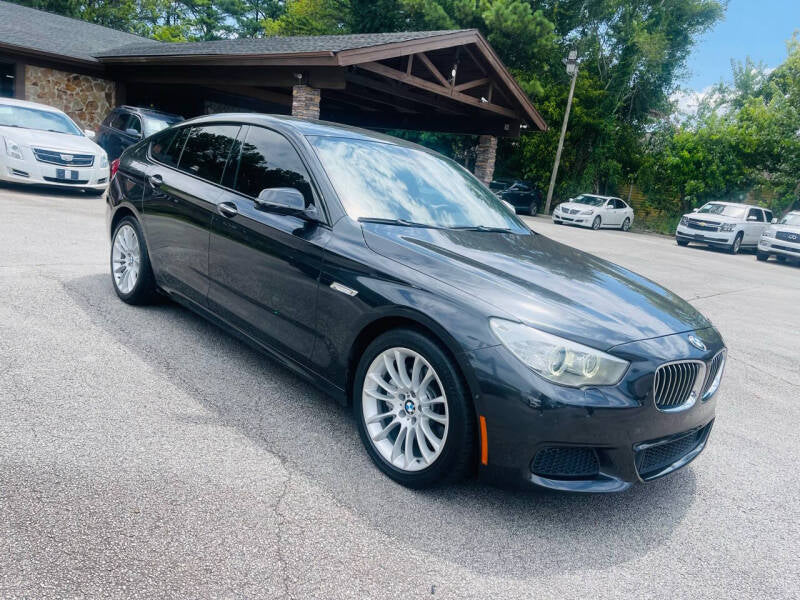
pixel 768 233
pixel 556 359
pixel 13 149
pixel 587 212
pixel 684 221
pixel 728 227
pixel 103 161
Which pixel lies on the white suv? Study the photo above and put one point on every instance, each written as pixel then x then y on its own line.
pixel 781 240
pixel 724 225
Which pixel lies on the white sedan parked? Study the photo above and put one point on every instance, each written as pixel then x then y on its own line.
pixel 590 210
pixel 42 145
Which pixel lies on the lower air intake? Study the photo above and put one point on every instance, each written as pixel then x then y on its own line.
pixel 566 463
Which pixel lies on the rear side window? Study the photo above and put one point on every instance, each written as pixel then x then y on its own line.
pixel 756 212
pixel 207 149
pixel 166 147
pixel 268 160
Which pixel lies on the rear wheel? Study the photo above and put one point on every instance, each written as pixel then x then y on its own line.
pixel 533 209
pixel 596 223
pixel 626 224
pixel 780 258
pixel 412 411
pixel 737 244
pixel 682 242
pixel 131 273
pixel 762 256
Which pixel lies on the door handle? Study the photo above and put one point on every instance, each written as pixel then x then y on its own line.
pixel 155 181
pixel 227 209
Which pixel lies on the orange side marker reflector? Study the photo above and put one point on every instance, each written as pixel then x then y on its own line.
pixel 484 443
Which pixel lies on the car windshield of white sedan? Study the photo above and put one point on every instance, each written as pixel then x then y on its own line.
pixel 385 181
pixel 791 220
pixel 737 212
pixel 590 200
pixel 31 118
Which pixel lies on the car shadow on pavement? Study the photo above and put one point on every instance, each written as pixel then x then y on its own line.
pixel 485 529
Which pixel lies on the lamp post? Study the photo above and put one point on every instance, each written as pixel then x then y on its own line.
pixel 571 63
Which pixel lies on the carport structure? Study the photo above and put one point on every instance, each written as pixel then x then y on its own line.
pixel 446 81
pixel 441 81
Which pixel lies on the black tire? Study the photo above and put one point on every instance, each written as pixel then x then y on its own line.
pixel 145 290
pixel 597 222
pixel 762 256
pixel 780 258
pixel 682 242
pixel 558 222
pixel 533 209
pixel 626 224
pixel 458 456
pixel 737 244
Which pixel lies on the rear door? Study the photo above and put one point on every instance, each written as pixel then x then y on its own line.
pixel 180 198
pixel 264 267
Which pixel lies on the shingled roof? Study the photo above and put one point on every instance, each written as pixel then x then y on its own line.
pixel 272 45
pixel 43 32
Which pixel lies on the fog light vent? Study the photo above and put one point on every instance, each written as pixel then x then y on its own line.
pixel 566 463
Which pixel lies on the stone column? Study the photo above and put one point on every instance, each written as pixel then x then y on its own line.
pixel 305 102
pixel 484 160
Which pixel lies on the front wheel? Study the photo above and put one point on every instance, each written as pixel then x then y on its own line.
pixel 533 209
pixel 596 223
pixel 412 410
pixel 762 256
pixel 737 244
pixel 131 273
pixel 626 224
pixel 682 242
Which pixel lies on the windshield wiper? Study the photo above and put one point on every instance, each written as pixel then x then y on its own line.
pixel 483 228
pixel 401 222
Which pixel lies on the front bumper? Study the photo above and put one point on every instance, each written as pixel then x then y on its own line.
pixel 582 220
pixel 781 247
pixel 30 171
pixel 714 238
pixel 618 427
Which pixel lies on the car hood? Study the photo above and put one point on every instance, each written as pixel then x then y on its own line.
pixel 708 218
pixel 576 205
pixel 541 282
pixel 779 227
pixel 51 140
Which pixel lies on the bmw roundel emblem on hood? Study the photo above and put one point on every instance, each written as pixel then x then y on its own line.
pixel 697 342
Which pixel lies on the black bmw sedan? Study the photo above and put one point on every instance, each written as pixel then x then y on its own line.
pixel 395 281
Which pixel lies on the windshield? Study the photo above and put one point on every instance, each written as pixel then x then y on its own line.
pixel 377 180
pixel 155 124
pixel 737 212
pixel 590 200
pixel 791 219
pixel 32 118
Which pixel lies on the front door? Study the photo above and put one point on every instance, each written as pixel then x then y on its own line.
pixel 755 225
pixel 179 201
pixel 264 267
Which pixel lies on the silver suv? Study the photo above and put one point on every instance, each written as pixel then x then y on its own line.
pixel 781 240
pixel 725 225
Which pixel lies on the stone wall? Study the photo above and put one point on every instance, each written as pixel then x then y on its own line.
pixel 305 102
pixel 484 159
pixel 85 98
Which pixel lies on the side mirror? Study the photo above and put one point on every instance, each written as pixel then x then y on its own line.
pixel 133 133
pixel 774 221
pixel 89 133
pixel 695 209
pixel 286 201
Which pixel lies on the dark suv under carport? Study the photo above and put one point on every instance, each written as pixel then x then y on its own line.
pixel 126 125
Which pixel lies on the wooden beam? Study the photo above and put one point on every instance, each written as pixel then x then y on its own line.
pixel 432 68
pixel 355 97
pixel 384 87
pixel 418 82
pixel 410 64
pixel 419 122
pixel 468 85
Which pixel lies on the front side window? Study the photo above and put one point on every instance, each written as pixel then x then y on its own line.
pixel 714 208
pixel 166 148
pixel 33 118
pixel 268 160
pixel 381 180
pixel 207 149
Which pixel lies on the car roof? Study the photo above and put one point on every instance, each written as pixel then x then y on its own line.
pixel 603 197
pixel 734 204
pixel 308 127
pixel 28 104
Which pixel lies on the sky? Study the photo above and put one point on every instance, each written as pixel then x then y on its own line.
pixel 755 28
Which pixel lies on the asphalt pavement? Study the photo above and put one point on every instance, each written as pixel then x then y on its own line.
pixel 146 453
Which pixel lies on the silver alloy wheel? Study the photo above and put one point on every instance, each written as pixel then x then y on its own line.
pixel 626 224
pixel 737 244
pixel 405 409
pixel 126 258
pixel 596 223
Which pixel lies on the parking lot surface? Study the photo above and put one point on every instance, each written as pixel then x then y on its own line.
pixel 144 452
